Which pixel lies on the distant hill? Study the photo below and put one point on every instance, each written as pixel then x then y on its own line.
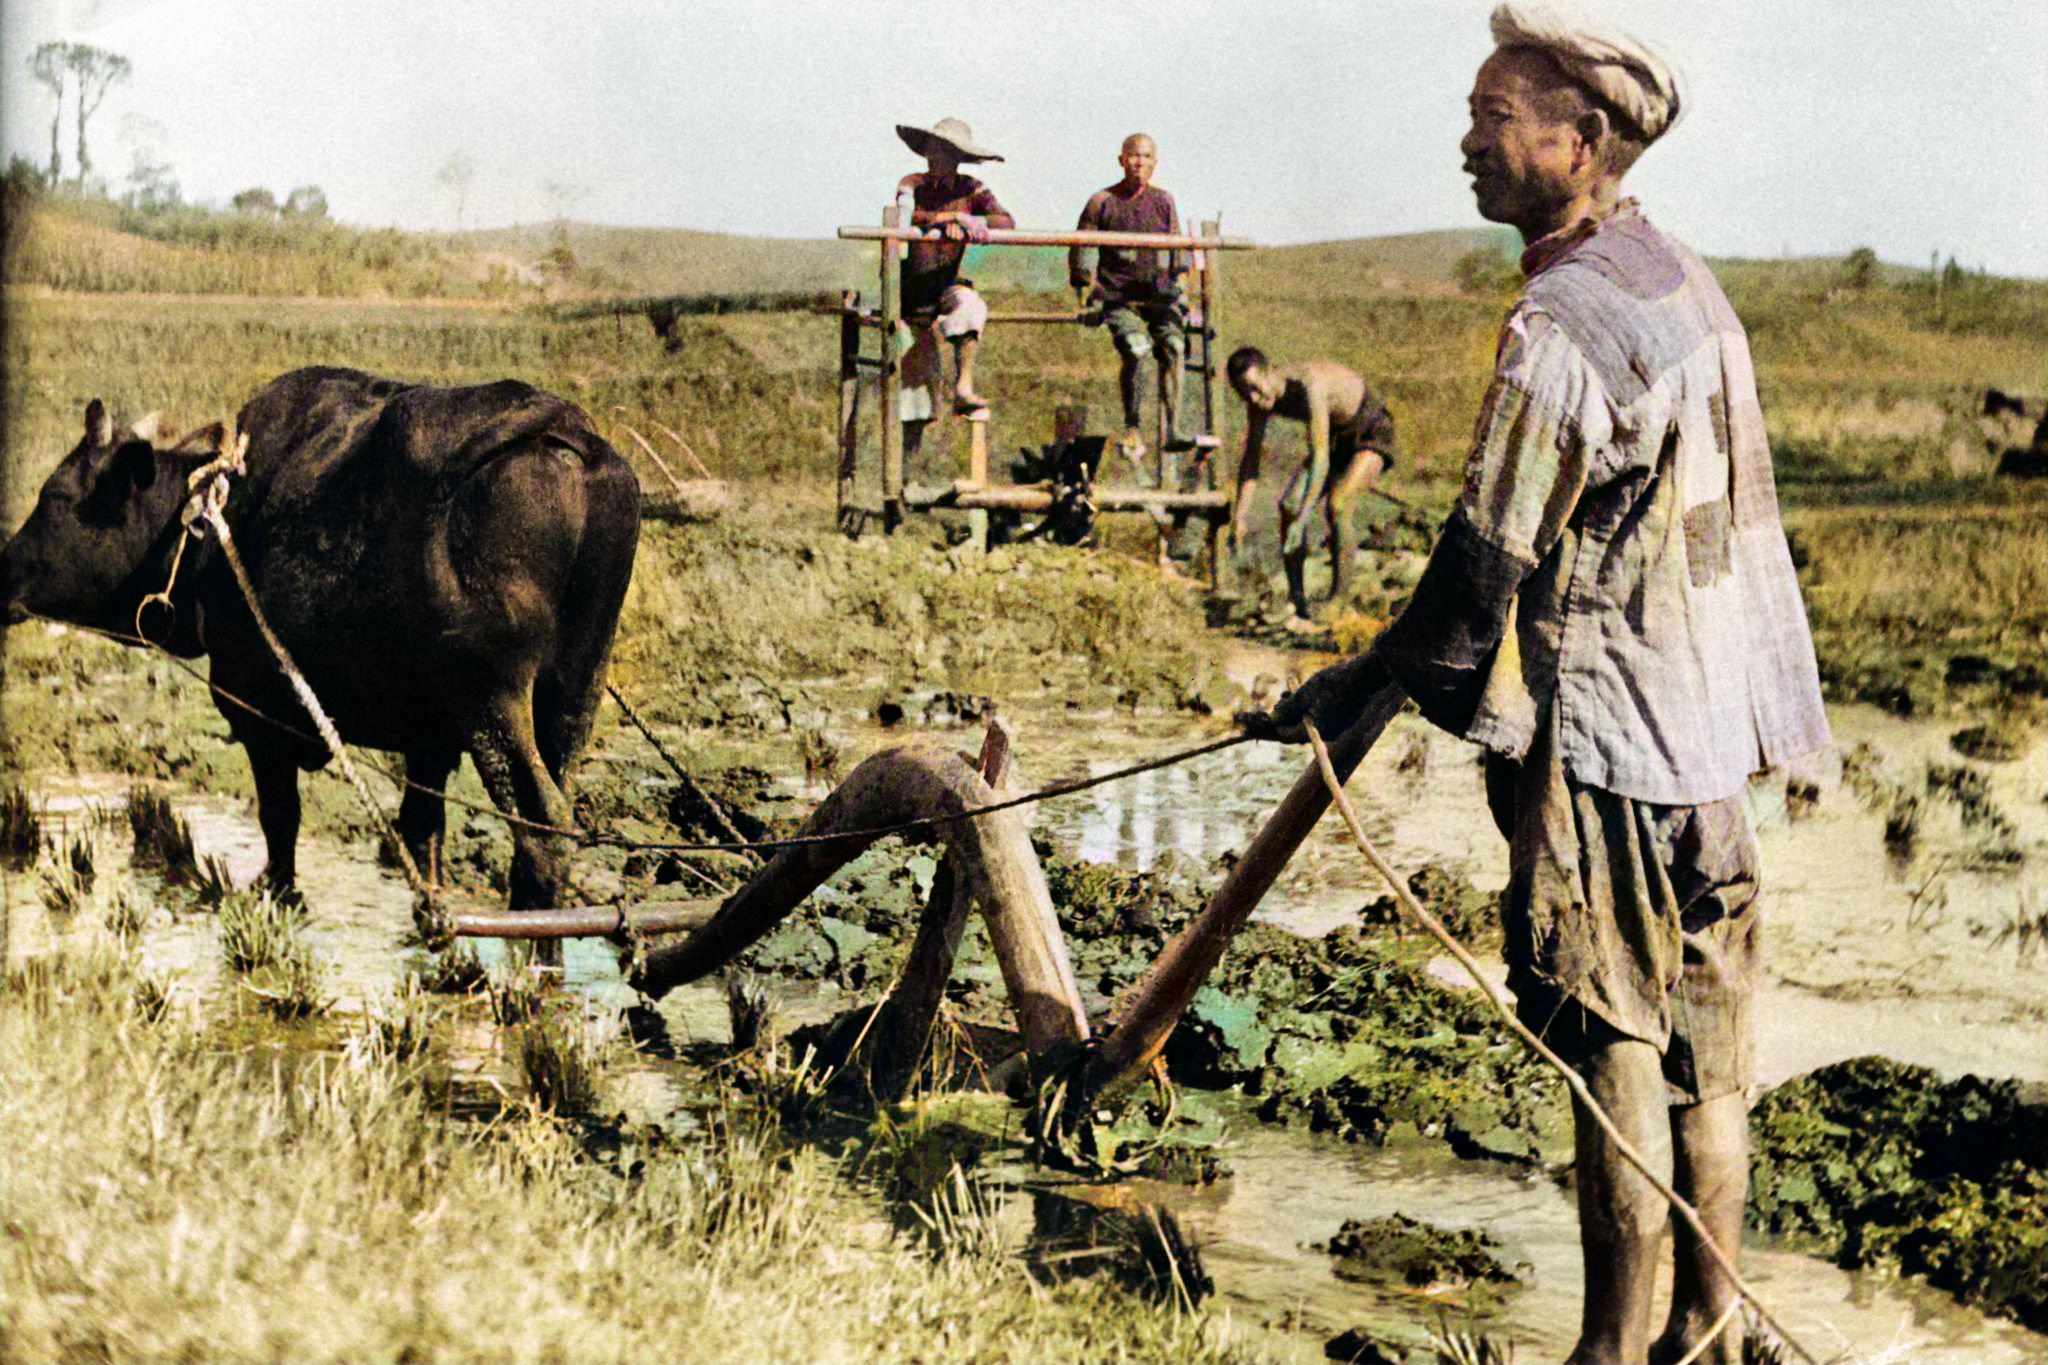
pixel 680 261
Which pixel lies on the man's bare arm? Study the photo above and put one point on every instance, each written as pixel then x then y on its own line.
pixel 1248 474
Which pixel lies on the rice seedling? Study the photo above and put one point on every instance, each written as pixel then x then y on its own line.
pixel 151 998
pixel 259 929
pixel 163 841
pixel 559 1062
pixel 2025 927
pixel 750 1010
pixel 399 1030
pixel 290 986
pixel 21 828
pixel 962 1219
pixel 456 971
pixel 64 892
pixel 124 910
pixel 1457 1346
pixel 515 995
pixel 211 884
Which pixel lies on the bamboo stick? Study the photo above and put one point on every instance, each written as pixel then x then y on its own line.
pixel 1155 1008
pixel 1165 241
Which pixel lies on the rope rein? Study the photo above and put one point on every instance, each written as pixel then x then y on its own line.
pixel 207 505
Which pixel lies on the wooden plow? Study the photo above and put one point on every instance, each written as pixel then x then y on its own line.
pixel 871 474
pixel 989 864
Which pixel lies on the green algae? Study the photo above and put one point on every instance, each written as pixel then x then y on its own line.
pixel 1878 1164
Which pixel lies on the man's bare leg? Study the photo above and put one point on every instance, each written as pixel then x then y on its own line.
pixel 1621 1215
pixel 1710 1169
pixel 1294 559
pixel 1172 355
pixel 965 349
pixel 1338 508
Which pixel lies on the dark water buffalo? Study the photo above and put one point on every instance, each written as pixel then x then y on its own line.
pixel 445 566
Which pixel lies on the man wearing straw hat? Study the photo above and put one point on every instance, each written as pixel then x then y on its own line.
pixel 1611 612
pixel 937 304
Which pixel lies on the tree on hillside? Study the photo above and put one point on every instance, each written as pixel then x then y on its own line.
pixel 255 203
pixel 96 70
pixel 1859 269
pixel 47 64
pixel 456 173
pixel 307 201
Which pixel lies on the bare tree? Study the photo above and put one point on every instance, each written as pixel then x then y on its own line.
pixel 456 173
pixel 96 69
pixel 47 64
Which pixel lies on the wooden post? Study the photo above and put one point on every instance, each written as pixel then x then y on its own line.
pixel 849 406
pixel 992 859
pixel 892 378
pixel 903 1022
pixel 977 474
pixel 1210 280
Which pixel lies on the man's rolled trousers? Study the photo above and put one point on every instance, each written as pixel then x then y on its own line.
pixel 1611 612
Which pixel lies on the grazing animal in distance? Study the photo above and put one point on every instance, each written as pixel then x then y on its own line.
pixel 445 565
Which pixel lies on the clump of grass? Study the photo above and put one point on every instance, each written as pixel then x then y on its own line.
pixel 151 998
pixel 21 828
pixel 302 1208
pixel 259 929
pixel 516 995
pixel 399 1031
pixel 163 841
pixel 211 884
pixel 457 971
pixel 559 1062
pixel 748 1007
pixel 125 911
pixel 64 892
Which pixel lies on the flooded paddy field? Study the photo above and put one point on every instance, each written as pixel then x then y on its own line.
pixel 1913 950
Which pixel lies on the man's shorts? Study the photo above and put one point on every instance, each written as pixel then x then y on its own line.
pixel 1629 919
pixel 1136 328
pixel 962 313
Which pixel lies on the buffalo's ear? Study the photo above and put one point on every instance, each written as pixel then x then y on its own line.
pixel 136 462
pixel 205 441
pixel 99 428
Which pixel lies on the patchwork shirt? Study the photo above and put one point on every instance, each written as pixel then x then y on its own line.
pixel 1617 559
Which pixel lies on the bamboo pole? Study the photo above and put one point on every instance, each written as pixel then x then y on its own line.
pixel 892 376
pixel 849 403
pixel 1024 497
pixel 977 474
pixel 597 921
pixel 1167 241
pixel 1155 1007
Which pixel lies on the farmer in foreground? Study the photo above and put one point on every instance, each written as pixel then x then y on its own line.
pixel 1611 612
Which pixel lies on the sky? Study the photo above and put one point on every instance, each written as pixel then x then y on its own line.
pixel 1813 127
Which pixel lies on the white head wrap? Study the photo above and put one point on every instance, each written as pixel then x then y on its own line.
pixel 1617 68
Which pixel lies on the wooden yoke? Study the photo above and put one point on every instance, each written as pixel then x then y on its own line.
pixel 991 857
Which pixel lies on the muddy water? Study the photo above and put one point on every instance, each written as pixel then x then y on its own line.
pixel 1868 956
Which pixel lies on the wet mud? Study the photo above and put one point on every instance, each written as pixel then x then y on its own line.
pixel 1333 1071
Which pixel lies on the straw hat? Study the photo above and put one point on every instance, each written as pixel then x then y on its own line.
pixel 948 134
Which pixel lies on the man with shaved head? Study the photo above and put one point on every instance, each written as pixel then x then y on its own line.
pixel 1137 292
pixel 1611 612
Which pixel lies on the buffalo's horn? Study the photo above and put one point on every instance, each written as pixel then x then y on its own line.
pixel 99 428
